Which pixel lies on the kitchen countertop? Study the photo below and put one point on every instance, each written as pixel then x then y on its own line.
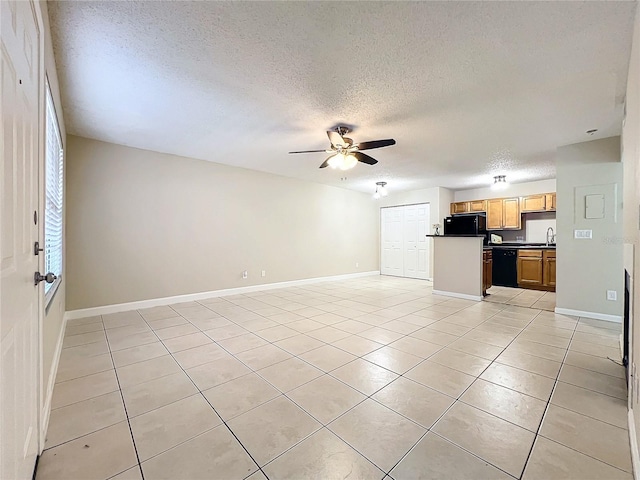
pixel 525 246
pixel 455 236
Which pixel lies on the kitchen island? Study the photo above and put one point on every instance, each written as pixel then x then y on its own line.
pixel 458 266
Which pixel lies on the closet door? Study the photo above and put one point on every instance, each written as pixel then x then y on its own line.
pixel 405 249
pixel 391 262
pixel 416 244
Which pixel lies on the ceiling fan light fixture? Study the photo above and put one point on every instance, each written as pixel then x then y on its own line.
pixel 348 162
pixel 500 182
pixel 336 161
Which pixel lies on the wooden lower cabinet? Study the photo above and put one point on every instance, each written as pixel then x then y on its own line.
pixel 537 269
pixel 529 268
pixel 549 268
pixel 487 270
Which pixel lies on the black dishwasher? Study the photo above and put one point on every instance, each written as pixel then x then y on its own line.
pixel 505 267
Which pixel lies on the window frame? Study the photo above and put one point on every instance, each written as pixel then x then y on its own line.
pixel 51 118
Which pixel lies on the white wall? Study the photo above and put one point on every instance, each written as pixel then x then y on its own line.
pixel 586 269
pixel 144 225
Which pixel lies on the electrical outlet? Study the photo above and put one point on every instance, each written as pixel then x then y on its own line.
pixel 357 264
pixel 245 274
pixel 264 273
pixel 612 295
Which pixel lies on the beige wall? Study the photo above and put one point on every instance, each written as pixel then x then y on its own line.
pixel 586 269
pixel 144 225
pixel 631 160
pixel 463 275
pixel 53 320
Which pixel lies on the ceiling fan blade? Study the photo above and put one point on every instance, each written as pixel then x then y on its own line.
pixel 376 144
pixel 309 151
pixel 364 158
pixel 325 164
pixel 336 139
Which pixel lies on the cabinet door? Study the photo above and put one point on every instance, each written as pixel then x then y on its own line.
pixel 494 214
pixel 550 202
pixel 478 206
pixel 533 203
pixel 511 217
pixel 459 207
pixel 549 269
pixel 529 268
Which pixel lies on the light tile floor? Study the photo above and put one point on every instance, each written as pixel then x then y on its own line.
pixel 367 378
pixel 522 297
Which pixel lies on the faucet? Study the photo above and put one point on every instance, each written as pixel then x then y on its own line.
pixel 551 239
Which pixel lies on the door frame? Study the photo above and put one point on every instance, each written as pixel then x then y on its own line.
pixel 40 24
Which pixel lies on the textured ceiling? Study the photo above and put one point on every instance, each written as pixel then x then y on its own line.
pixel 468 89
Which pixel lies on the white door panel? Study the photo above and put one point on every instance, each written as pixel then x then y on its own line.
pixel 391 239
pixel 19 345
pixel 404 247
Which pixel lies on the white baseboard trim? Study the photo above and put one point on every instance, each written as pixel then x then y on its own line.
pixel 46 409
pixel 633 442
pixel 156 302
pixel 457 295
pixel 594 315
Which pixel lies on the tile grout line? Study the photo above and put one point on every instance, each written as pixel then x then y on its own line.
pixel 546 409
pixel 458 400
pixel 124 405
pixel 202 395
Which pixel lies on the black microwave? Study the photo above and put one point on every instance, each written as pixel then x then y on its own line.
pixel 465 225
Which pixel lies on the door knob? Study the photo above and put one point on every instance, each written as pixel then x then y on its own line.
pixel 49 278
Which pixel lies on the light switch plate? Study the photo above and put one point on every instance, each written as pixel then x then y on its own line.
pixel 583 234
pixel 612 295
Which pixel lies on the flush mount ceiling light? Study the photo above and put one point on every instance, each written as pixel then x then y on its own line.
pixel 499 182
pixel 381 190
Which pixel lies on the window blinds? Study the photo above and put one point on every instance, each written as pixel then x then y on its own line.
pixel 53 195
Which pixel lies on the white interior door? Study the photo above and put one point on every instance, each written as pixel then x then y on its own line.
pixel 19 346
pixel 410 241
pixel 416 244
pixel 405 248
pixel 391 262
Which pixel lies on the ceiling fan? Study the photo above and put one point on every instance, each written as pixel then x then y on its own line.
pixel 344 153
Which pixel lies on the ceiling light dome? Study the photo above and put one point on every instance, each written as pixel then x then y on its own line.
pixel 381 190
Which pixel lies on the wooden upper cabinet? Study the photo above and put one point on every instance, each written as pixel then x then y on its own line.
pixel 478 206
pixel 550 202
pixel 494 214
pixel 506 213
pixel 459 207
pixel 533 203
pixel 511 216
